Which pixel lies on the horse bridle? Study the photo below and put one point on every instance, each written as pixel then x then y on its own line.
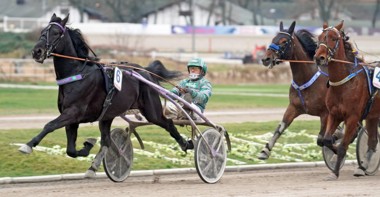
pixel 49 48
pixel 280 50
pixel 330 51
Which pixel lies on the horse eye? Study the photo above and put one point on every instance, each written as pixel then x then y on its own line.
pixel 334 39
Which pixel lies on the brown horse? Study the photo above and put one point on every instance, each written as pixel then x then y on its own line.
pixel 305 97
pixel 347 96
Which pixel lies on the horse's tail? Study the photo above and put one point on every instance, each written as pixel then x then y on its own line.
pixel 159 69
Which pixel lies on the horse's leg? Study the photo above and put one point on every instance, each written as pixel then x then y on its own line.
pixel 341 150
pixel 332 125
pixel 72 133
pixel 290 114
pixel 371 127
pixel 323 129
pixel 68 116
pixel 105 127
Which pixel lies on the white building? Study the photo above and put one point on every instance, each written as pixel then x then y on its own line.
pixel 25 15
pixel 170 14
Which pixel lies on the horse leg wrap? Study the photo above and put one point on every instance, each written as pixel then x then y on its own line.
pixel 266 151
pixel 367 159
pixel 280 129
pixel 98 159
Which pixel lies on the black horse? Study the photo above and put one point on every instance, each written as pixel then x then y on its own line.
pixel 82 101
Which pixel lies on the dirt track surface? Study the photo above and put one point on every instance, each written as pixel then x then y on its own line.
pixel 217 116
pixel 284 182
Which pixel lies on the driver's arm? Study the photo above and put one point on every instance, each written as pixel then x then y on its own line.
pixel 203 95
pixel 176 91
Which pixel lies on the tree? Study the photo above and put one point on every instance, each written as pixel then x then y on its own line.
pixel 222 4
pixel 324 11
pixel 210 11
pixel 255 7
pixel 78 4
pixel 126 11
pixel 375 14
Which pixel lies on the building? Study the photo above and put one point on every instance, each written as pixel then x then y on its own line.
pixel 25 15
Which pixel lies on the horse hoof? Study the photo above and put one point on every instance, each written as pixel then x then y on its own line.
pixel 89 174
pixel 359 172
pixel 334 158
pixel 25 149
pixel 264 154
pixel 331 177
pixel 94 164
pixel 91 141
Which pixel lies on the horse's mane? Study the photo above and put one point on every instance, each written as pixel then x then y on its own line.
pixel 80 44
pixel 348 49
pixel 307 41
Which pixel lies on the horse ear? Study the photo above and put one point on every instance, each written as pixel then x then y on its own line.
pixel 54 16
pixel 291 28
pixel 325 25
pixel 338 27
pixel 281 26
pixel 64 21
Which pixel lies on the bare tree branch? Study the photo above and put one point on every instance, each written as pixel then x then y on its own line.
pixel 375 14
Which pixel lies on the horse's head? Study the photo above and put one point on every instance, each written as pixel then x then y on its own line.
pixel 281 46
pixel 328 43
pixel 50 38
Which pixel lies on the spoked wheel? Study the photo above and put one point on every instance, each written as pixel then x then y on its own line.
pixel 328 155
pixel 210 169
pixel 119 158
pixel 361 150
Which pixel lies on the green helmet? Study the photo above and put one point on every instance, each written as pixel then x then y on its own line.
pixel 197 62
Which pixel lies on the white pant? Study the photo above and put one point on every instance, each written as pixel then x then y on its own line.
pixel 172 111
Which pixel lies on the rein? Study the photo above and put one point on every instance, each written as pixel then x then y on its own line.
pixel 298 61
pixel 81 59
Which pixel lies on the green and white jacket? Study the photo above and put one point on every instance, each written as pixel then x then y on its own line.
pixel 201 91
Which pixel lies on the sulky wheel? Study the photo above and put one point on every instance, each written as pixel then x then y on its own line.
pixel 119 158
pixel 210 169
pixel 329 156
pixel 361 149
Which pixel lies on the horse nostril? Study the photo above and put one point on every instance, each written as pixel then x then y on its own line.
pixel 265 60
pixel 39 52
pixel 321 58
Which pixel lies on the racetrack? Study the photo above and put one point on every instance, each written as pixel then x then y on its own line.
pixel 217 116
pixel 280 182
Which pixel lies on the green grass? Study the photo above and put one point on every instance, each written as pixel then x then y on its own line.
pixel 14 163
pixel 18 101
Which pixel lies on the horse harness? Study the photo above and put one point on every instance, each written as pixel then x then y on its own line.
pixel 280 50
pixel 330 50
pixel 307 84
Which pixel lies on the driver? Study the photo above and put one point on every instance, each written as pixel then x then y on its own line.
pixel 197 88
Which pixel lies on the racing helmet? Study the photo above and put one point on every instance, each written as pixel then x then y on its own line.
pixel 197 62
